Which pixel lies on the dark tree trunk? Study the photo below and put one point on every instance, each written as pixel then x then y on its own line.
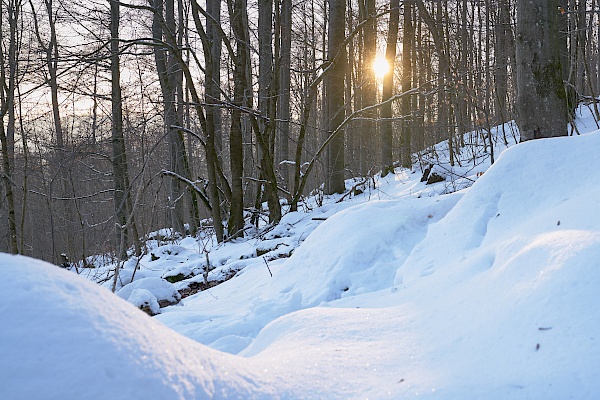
pixel 7 97
pixel 368 90
pixel 541 101
pixel 283 105
pixel 334 96
pixel 405 105
pixel 267 102
pixel 387 132
pixel 236 217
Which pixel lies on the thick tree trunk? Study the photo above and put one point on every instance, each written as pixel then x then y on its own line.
pixel 334 96
pixel 541 101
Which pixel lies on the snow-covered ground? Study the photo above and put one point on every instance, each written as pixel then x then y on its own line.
pixel 405 290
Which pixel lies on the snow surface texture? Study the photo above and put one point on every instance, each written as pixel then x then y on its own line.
pixel 64 337
pixel 487 293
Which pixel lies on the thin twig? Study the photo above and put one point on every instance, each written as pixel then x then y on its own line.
pixel 265 260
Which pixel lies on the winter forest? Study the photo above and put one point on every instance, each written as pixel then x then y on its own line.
pixel 299 199
pixel 121 118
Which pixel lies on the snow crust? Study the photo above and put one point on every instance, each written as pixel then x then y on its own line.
pixel 490 292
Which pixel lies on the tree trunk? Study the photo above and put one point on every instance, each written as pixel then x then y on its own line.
pixel 405 104
pixel 122 193
pixel 236 216
pixel 368 91
pixel 167 69
pixel 213 89
pixel 541 101
pixel 7 97
pixel 267 101
pixel 334 96
pixel 502 52
pixel 283 105
pixel 387 132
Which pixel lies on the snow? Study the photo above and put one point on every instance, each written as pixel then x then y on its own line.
pixel 481 286
pixel 158 288
pixel 64 337
pixel 143 298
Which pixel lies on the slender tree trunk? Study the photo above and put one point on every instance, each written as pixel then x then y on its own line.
pixel 213 88
pixel 267 101
pixel 118 143
pixel 387 132
pixel 405 104
pixel 368 91
pixel 208 125
pixel 502 28
pixel 122 197
pixel 283 113
pixel 167 69
pixel 7 98
pixel 236 151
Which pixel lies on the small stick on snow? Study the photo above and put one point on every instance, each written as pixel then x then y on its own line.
pixel 265 260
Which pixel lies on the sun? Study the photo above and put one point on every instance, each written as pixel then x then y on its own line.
pixel 381 67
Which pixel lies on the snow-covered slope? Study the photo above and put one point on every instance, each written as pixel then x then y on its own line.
pixel 490 292
pixel 497 301
pixel 62 337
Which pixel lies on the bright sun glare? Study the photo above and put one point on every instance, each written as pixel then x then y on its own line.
pixel 381 67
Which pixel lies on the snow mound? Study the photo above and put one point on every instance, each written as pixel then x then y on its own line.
pixel 144 299
pixel 163 291
pixel 529 194
pixel 358 250
pixel 64 337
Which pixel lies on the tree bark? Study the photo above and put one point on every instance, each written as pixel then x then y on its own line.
pixel 283 105
pixel 7 99
pixel 368 90
pixel 122 193
pixel 334 97
pixel 236 216
pixel 387 131
pixel 541 101
pixel 267 103
pixel 405 103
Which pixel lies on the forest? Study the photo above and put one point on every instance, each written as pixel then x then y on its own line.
pixel 120 118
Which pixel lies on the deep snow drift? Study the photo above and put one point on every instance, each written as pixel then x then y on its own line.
pixel 490 292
